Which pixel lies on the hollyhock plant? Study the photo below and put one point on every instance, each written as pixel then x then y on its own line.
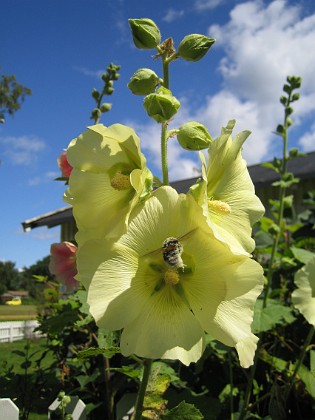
pixel 303 298
pixel 109 177
pixel 64 165
pixel 165 299
pixel 226 192
pixel 63 263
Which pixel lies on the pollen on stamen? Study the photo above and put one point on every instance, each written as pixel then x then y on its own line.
pixel 171 277
pixel 219 207
pixel 120 181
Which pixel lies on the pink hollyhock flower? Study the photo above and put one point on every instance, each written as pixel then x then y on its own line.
pixel 63 263
pixel 64 165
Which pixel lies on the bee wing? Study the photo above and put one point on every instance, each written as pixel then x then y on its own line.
pixel 155 252
pixel 187 235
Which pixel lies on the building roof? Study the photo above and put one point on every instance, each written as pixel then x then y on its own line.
pixel 302 167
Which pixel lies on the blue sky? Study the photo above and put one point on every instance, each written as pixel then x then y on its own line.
pixel 59 48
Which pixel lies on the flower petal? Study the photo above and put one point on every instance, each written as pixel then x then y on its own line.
pixel 303 298
pixel 165 329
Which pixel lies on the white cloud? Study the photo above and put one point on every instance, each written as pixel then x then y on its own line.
pixel 172 15
pixel 43 179
pixel 90 73
pixel 22 150
pixel 307 141
pixel 262 45
pixel 201 5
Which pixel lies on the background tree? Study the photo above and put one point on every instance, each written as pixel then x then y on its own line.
pixel 10 278
pixel 28 276
pixel 12 95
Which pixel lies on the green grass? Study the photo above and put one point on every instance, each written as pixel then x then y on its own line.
pixel 16 313
pixel 35 388
pixel 8 358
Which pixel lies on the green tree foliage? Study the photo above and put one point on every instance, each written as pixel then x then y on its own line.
pixel 30 274
pixel 12 95
pixel 9 276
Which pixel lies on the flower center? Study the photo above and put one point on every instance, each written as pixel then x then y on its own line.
pixel 171 277
pixel 120 181
pixel 219 207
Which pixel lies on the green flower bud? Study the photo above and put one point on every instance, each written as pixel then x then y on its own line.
pixel 193 136
pixel 108 90
pixel 96 113
pixel 161 106
pixel 193 47
pixel 95 94
pixel 143 82
pixel 145 33
pixel 105 107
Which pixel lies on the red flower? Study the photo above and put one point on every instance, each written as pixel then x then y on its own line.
pixel 64 165
pixel 63 263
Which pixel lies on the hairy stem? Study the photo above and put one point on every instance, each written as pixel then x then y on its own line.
pixel 147 363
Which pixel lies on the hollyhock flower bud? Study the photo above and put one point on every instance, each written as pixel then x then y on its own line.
pixel 63 263
pixel 193 136
pixel 193 47
pixel 145 33
pixel 162 105
pixel 64 165
pixel 143 82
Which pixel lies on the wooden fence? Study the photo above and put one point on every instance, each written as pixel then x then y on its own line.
pixel 18 330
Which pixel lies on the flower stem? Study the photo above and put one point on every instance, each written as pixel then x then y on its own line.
pixel 283 171
pixel 147 363
pixel 164 153
pixel 300 361
pixel 164 136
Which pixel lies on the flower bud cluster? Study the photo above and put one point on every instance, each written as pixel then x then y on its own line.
pixel 108 79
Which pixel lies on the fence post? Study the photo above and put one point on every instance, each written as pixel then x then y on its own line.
pixel 11 333
pixel 8 410
pixel 76 408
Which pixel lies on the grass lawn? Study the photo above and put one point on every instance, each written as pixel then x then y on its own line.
pixel 35 388
pixel 7 357
pixel 16 313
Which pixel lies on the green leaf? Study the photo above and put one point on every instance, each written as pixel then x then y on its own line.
pixel 94 351
pixel 302 255
pixel 267 318
pixel 277 363
pixel 183 411
pixel 308 377
pixel 130 371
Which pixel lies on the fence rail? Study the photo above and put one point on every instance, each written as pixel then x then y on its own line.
pixel 18 330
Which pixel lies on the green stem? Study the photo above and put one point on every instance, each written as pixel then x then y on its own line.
pixel 164 153
pixel 300 360
pixel 249 387
pixel 231 386
pixel 164 136
pixel 166 77
pixel 281 209
pixel 147 363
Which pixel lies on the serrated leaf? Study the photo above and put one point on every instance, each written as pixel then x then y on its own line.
pixel 267 318
pixel 130 371
pixel 183 411
pixel 308 377
pixel 302 255
pixel 277 363
pixel 95 351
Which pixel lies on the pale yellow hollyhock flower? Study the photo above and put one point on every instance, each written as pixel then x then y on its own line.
pixel 109 177
pixel 226 192
pixel 163 309
pixel 303 298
